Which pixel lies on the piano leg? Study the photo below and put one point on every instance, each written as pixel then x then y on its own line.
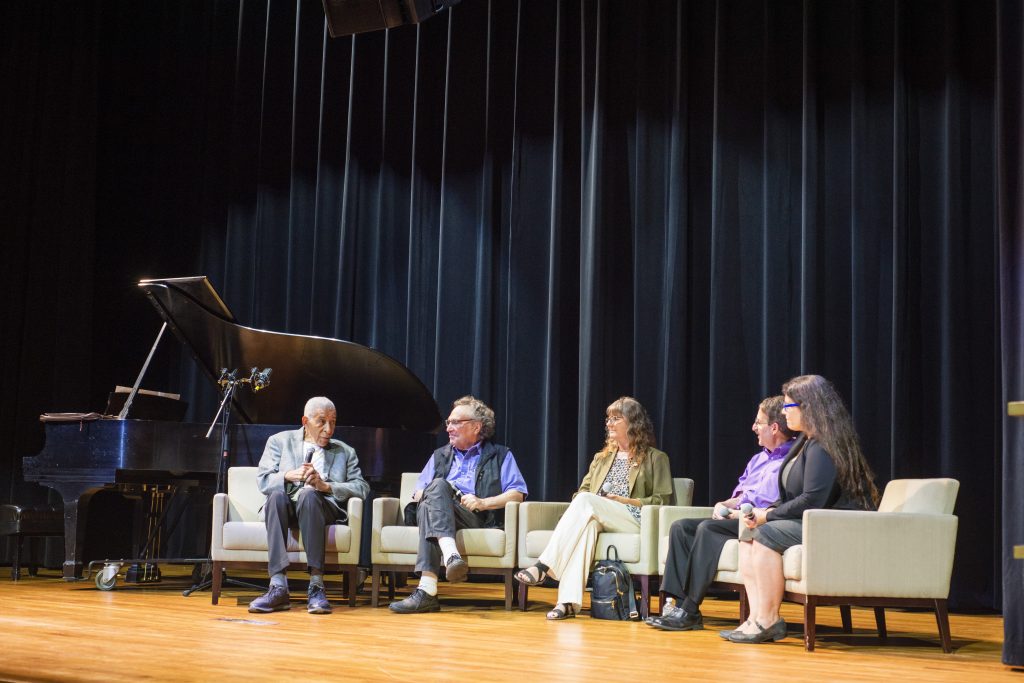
pixel 76 498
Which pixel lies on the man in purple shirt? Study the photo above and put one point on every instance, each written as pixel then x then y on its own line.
pixel 465 484
pixel 696 544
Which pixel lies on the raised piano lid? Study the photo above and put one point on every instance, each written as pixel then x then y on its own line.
pixel 369 388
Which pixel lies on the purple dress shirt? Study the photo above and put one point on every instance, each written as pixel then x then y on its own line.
pixel 759 483
pixel 462 474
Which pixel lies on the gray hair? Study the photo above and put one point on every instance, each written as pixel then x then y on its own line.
pixel 318 403
pixel 481 412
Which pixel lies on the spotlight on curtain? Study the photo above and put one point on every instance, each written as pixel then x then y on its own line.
pixel 345 17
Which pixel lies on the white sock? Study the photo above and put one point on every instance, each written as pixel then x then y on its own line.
pixel 428 583
pixel 279 579
pixel 316 580
pixel 448 548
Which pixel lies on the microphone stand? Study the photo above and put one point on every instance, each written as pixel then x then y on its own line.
pixel 229 382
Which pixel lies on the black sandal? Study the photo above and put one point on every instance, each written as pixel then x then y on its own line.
pixel 526 577
pixel 562 610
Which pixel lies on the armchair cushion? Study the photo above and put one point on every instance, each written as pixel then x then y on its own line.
pixel 253 536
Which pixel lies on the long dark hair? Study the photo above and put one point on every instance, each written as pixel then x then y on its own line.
pixel 823 417
pixel 640 432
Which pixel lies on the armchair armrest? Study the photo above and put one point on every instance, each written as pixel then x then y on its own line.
pixel 220 515
pixel 511 529
pixel 648 563
pixel 878 554
pixel 667 515
pixel 386 512
pixel 354 510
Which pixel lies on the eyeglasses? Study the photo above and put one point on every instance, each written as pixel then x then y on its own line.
pixel 612 419
pixel 761 424
pixel 790 405
pixel 458 423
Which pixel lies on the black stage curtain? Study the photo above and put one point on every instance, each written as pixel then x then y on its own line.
pixel 1010 169
pixel 551 204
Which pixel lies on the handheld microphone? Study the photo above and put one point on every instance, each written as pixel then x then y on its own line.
pixel 723 511
pixel 307 460
pixel 606 488
pixel 747 510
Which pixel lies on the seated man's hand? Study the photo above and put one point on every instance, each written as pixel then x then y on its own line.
pixel 314 480
pixel 297 475
pixel 720 505
pixel 472 503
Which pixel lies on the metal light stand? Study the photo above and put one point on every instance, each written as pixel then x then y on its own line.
pixel 229 381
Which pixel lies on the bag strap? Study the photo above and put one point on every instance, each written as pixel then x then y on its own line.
pixel 633 613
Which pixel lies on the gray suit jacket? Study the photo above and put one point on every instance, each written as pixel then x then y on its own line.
pixel 286 450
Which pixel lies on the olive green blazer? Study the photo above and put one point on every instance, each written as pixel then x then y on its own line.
pixel 650 482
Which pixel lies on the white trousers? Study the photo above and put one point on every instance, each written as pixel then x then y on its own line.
pixel 570 552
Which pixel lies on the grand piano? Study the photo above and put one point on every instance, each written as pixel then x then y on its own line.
pixel 384 411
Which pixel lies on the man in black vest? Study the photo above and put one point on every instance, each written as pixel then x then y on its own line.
pixel 465 484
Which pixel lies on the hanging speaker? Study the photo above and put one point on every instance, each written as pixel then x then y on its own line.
pixel 345 17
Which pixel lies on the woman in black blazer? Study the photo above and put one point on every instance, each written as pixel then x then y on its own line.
pixel 824 469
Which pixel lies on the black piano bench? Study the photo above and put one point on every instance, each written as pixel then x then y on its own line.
pixel 25 522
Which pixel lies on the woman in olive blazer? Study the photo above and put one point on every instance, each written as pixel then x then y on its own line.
pixel 628 473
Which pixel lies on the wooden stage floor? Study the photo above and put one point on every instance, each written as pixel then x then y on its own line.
pixel 58 631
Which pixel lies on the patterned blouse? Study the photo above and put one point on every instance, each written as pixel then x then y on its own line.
pixel 618 477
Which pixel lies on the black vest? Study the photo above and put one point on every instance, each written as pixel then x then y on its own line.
pixel 488 475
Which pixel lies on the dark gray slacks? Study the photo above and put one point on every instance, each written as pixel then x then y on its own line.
pixel 438 515
pixel 312 512
pixel 694 548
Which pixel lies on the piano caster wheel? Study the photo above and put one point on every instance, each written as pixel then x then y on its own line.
pixel 107 579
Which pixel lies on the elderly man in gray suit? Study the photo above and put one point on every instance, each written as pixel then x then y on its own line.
pixel 307 476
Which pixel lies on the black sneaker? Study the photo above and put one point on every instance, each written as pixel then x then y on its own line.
pixel 456 569
pixel 274 600
pixel 317 600
pixel 419 601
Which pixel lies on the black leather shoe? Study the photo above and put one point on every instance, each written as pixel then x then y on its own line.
pixel 655 619
pixel 456 569
pixel 680 620
pixel 317 601
pixel 419 601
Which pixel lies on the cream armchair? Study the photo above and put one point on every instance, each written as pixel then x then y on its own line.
pixel 393 545
pixel 639 551
pixel 899 556
pixel 728 575
pixel 240 536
